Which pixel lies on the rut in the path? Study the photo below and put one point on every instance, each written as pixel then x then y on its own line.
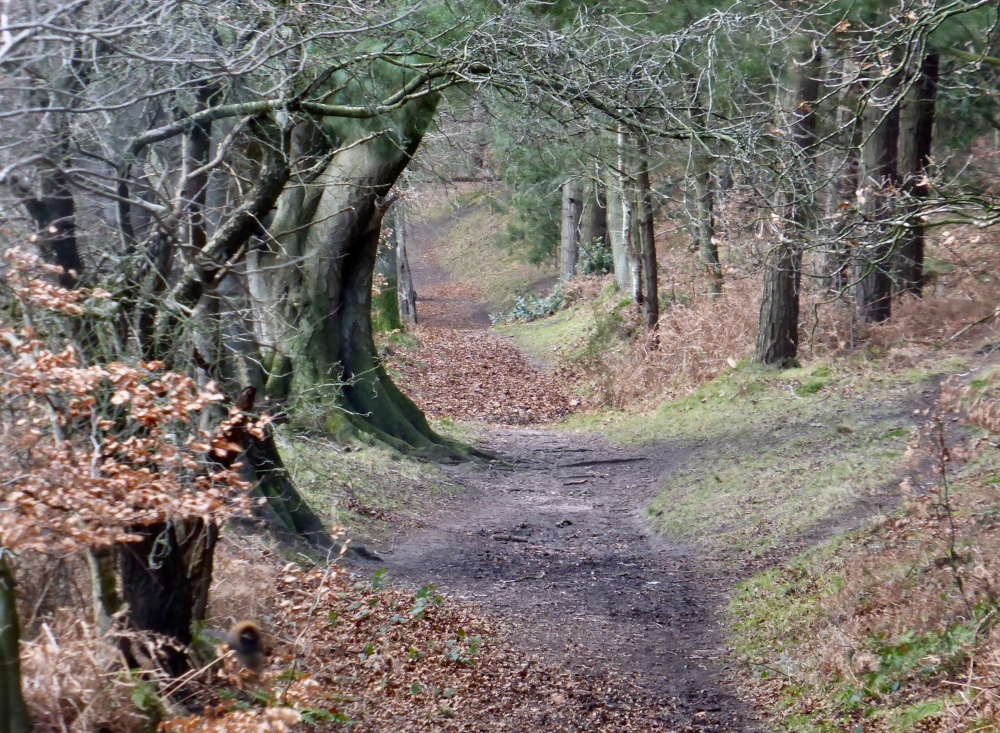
pixel 558 545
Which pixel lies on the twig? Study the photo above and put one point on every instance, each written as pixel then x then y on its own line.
pixel 509 538
pixel 974 324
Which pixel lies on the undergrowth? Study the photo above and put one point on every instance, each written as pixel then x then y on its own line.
pixel 604 351
pixel 894 627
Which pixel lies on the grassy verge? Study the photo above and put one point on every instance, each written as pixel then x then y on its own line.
pixel 559 335
pixel 363 488
pixel 893 627
pixel 768 457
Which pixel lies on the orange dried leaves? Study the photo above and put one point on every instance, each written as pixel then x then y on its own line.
pixel 90 451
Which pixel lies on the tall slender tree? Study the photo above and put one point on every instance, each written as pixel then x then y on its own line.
pixel 778 326
pixel 916 136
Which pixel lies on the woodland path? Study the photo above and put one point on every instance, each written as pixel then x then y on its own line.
pixel 556 542
pixel 554 539
pixel 441 302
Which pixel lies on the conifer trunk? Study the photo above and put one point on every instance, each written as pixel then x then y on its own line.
pixel 778 326
pixel 647 243
pixel 915 150
pixel 874 288
pixel 569 244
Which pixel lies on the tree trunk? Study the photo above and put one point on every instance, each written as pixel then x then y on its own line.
pixel 284 502
pixel 916 136
pixel 569 244
pixel 165 579
pixel 385 301
pixel 874 289
pixel 311 282
pixel 778 326
pixel 104 585
pixel 615 220
pixel 647 242
pixel 404 279
pixel 847 179
pixel 13 712
pixel 594 220
pixel 705 224
pixel 54 213
pixel 702 162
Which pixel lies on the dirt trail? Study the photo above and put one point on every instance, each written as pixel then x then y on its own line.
pixel 556 541
pixel 442 303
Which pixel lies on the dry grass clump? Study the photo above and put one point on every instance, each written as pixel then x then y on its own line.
pixel 694 344
pixel 70 683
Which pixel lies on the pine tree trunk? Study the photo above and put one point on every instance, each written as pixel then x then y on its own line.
pixel 13 712
pixel 647 243
pixel 708 249
pixel 847 175
pixel 874 289
pixel 916 137
pixel 569 243
pixel 704 196
pixel 778 326
pixel 594 219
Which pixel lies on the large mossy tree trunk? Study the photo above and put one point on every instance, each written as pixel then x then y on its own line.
pixel 311 281
pixel 14 716
pixel 778 325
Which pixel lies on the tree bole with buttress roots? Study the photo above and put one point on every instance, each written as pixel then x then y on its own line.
pixel 311 282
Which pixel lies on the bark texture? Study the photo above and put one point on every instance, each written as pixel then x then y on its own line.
pixel 874 288
pixel 404 279
pixel 594 220
pixel 647 243
pixel 916 137
pixel 165 579
pixel 778 326
pixel 616 211
pixel 311 282
pixel 847 178
pixel 569 242
pixel 702 163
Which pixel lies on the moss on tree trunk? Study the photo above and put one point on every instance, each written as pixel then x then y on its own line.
pixel 312 286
